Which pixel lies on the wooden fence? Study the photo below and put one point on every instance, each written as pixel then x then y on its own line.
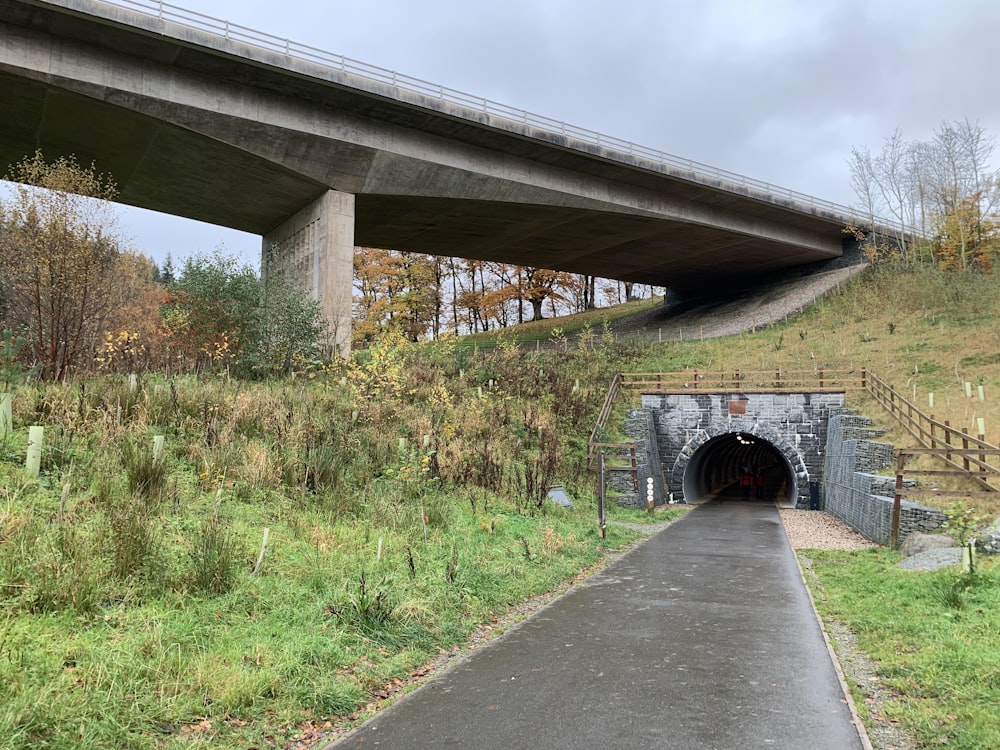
pixel 757 381
pixel 970 457
pixel 983 473
pixel 963 452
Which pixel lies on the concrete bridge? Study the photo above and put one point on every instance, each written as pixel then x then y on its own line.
pixel 318 154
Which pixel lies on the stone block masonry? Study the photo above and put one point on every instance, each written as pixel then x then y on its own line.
pixel 640 427
pixel 851 490
pixel 793 423
pixel 687 444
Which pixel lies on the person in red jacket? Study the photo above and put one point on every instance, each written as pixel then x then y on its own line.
pixel 746 482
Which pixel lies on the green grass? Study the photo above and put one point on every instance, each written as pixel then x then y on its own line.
pixel 934 636
pixel 164 666
pixel 589 324
pixel 402 498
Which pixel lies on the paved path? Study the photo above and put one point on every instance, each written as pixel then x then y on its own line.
pixel 701 638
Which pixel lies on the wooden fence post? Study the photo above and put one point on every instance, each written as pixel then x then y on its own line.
pixel 897 501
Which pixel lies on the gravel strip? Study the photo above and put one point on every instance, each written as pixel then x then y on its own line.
pixel 816 529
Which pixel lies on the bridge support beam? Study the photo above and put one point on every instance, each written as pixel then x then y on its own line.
pixel 314 250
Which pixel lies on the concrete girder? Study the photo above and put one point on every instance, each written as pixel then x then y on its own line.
pixel 197 125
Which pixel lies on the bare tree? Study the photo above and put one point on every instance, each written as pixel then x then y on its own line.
pixel 944 186
pixel 61 261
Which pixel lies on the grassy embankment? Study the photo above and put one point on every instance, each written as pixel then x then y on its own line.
pixel 130 615
pixel 402 498
pixel 934 637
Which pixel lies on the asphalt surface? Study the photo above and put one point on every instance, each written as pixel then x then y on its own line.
pixel 702 638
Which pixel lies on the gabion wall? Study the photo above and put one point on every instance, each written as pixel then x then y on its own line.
pixel 850 488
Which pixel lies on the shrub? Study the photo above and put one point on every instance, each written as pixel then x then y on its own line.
pixel 213 557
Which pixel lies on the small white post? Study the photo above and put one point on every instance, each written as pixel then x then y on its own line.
pixel 6 420
pixel 968 389
pixel 930 399
pixel 982 393
pixel 158 448
pixel 649 494
pixel 33 463
pixel 263 550
pixel 981 424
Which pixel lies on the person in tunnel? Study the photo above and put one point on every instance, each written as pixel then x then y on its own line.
pixel 758 480
pixel 746 481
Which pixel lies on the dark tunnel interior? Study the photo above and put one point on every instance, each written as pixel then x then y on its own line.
pixel 717 465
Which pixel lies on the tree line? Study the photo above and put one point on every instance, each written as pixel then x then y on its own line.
pixel 428 296
pixel 942 193
pixel 75 298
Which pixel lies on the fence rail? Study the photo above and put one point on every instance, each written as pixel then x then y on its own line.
pixel 758 381
pixel 982 474
pixel 938 438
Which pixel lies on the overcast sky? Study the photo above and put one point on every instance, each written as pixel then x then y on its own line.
pixel 776 90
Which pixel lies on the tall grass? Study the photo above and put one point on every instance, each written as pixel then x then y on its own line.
pixel 398 503
pixel 129 616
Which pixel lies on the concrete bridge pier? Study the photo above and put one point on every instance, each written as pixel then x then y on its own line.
pixel 314 250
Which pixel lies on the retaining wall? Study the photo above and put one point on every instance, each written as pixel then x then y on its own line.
pixel 851 490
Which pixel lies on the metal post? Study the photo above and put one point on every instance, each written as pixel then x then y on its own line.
pixel 602 519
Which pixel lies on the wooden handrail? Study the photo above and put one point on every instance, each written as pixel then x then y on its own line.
pixel 940 439
pixel 758 381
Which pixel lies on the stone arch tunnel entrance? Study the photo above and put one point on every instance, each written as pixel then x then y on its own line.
pixel 694 443
pixel 717 464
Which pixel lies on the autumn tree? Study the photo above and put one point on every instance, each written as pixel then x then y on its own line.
pixel 541 284
pixel 943 190
pixel 62 265
pixel 394 289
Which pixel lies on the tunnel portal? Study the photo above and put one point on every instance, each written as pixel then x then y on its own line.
pixel 695 442
pixel 718 464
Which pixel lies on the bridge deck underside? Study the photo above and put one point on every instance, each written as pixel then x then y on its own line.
pixel 178 161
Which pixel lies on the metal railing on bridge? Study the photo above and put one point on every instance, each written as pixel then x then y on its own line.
pixel 667 163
